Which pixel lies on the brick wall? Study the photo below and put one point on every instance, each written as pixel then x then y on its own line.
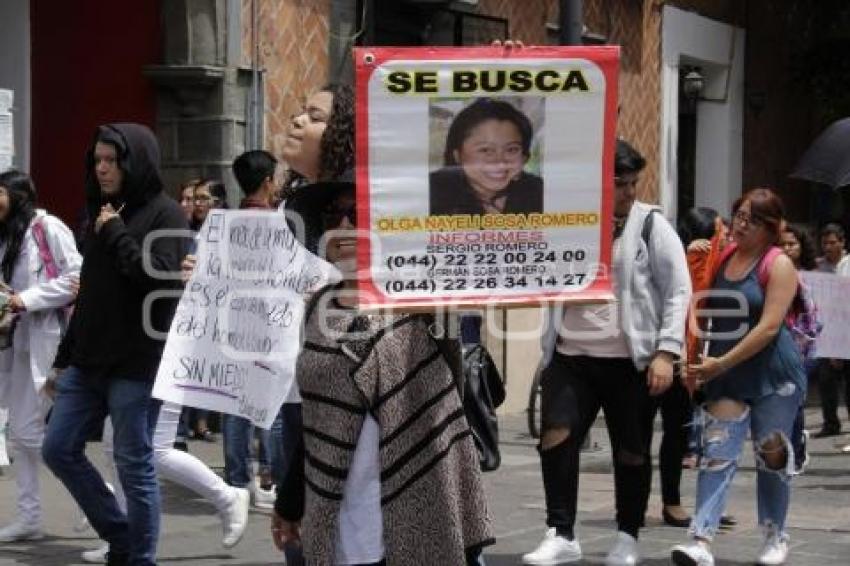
pixel 526 19
pixel 293 37
pixel 636 27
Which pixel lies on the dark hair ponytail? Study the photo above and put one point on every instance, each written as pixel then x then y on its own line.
pixel 697 224
pixel 22 200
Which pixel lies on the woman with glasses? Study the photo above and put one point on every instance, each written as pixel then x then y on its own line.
pixel 209 194
pixel 753 380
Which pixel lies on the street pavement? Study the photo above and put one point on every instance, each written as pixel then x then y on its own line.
pixel 819 521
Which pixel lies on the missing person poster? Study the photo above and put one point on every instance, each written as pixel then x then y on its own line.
pixel 485 175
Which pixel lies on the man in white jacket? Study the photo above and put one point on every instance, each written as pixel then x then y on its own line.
pixel 612 356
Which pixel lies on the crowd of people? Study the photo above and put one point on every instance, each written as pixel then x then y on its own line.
pixel 372 449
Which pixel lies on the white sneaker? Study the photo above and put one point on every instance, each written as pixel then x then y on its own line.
pixel 692 554
pixel 235 519
pixel 96 555
pixel 553 549
pixel 81 524
pixel 774 551
pixel 263 498
pixel 19 531
pixel 625 551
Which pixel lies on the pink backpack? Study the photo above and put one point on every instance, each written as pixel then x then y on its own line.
pixel 44 252
pixel 50 268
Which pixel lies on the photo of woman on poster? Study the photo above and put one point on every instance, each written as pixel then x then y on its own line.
pixel 486 151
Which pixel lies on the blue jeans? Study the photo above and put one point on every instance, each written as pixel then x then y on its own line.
pixel 238 437
pixel 722 440
pixel 81 405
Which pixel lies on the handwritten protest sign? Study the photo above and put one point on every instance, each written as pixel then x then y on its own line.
pixel 234 339
pixel 485 175
pixel 830 294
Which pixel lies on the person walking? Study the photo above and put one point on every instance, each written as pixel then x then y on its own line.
pixel 39 263
pixel 107 361
pixel 832 372
pixel 704 226
pixel 616 357
pixel 257 174
pixel 799 247
pixel 753 381
pixel 390 453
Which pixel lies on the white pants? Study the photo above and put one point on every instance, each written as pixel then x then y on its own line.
pixel 178 466
pixel 26 433
pixel 4 418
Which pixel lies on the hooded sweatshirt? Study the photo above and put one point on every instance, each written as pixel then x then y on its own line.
pixel 107 334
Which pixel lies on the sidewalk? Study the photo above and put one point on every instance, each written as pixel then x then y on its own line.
pixel 819 520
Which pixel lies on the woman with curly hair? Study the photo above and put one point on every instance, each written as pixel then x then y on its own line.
pixel 319 144
pixel 319 147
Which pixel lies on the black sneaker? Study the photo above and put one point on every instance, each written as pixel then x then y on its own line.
pixel 113 559
pixel 826 432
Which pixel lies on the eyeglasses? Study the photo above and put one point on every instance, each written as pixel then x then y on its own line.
pixel 753 220
pixel 332 218
pixel 205 199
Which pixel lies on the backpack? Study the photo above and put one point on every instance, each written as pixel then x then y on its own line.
pixel 802 318
pixel 51 269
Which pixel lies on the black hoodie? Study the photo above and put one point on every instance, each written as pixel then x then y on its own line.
pixel 107 334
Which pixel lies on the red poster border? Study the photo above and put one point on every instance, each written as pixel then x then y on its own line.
pixel 367 59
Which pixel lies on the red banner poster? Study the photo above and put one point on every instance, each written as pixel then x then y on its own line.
pixel 485 175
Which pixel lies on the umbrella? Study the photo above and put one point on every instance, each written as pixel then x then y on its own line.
pixel 827 160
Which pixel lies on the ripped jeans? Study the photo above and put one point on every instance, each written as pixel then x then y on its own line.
pixel 721 443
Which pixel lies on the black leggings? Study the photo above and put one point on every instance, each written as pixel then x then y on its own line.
pixel 574 389
pixel 676 415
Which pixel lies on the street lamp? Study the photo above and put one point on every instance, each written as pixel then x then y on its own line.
pixel 693 83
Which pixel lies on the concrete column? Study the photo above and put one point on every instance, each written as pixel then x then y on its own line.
pixel 203 94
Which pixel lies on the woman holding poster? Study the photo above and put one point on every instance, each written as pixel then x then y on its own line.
pixel 487 148
pixel 389 454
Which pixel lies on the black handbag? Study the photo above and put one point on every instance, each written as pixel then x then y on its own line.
pixel 484 392
pixel 479 385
